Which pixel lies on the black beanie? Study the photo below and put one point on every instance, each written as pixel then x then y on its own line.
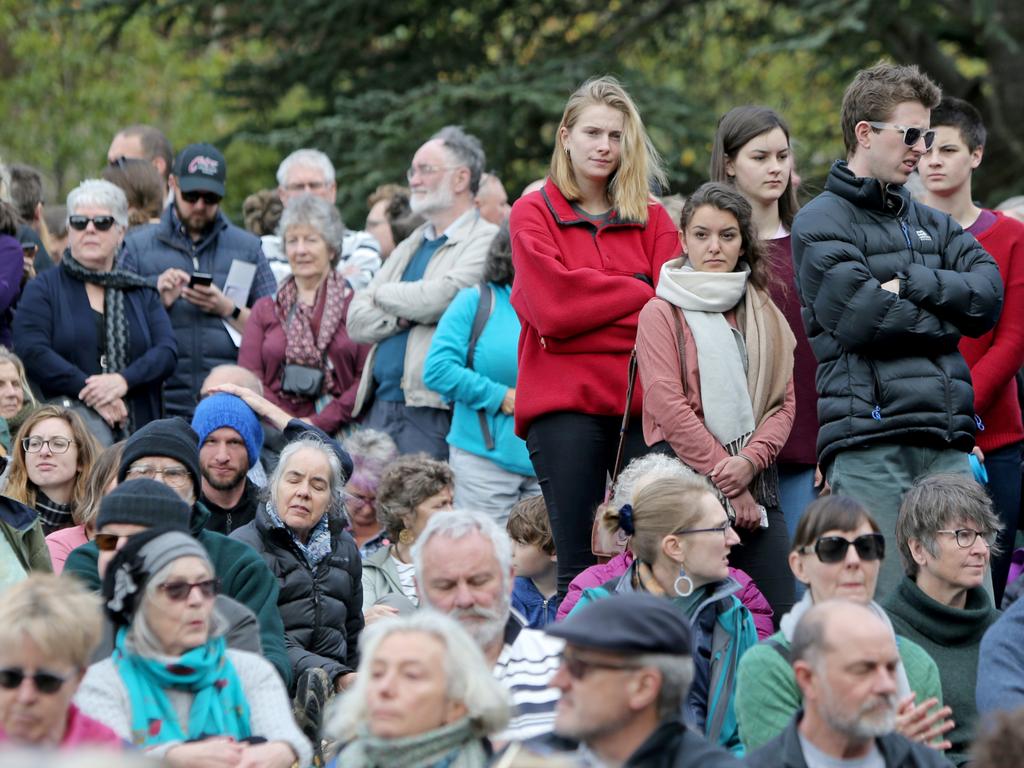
pixel 172 438
pixel 144 502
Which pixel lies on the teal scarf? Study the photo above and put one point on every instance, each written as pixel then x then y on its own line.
pixel 218 708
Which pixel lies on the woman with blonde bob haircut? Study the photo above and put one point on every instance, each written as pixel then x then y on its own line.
pixel 587 249
pixel 424 696
pixel 48 630
pixel 51 459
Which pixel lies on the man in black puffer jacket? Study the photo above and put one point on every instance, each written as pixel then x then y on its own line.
pixel 888 286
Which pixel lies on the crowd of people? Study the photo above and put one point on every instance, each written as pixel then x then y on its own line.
pixel 570 482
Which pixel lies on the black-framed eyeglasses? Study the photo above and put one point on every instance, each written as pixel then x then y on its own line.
pixel 56 444
pixel 911 135
pixel 832 549
pixel 11 678
pixel 210 198
pixel 578 666
pixel 180 590
pixel 965 537
pixel 78 222
pixel 717 529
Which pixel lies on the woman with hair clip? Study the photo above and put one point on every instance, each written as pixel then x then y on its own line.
pixel 587 249
pixel 681 539
pixel 752 152
pixel 715 358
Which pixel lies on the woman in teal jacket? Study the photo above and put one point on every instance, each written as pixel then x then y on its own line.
pixel 473 364
pixel 681 536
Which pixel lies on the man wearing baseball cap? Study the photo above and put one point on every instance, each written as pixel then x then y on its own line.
pixel 189 256
pixel 625 671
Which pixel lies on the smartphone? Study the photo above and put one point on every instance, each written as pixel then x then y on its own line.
pixel 200 278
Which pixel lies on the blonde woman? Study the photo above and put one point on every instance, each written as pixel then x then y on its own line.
pixel 587 250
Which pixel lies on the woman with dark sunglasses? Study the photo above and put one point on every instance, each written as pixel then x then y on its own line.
pixel 681 537
pixel 837 553
pixel 946 532
pixel 93 333
pixel 172 686
pixel 48 629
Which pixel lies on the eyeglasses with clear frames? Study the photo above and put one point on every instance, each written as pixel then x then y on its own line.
pixel 55 444
pixel 175 477
pixel 426 170
pixel 306 186
pixel 965 537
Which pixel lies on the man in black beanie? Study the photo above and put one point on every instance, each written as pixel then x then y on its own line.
pixel 167 450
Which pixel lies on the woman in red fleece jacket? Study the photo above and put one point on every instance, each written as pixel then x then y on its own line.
pixel 587 250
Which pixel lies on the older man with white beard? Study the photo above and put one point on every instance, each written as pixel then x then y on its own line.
pixel 463 564
pixel 845 659
pixel 399 310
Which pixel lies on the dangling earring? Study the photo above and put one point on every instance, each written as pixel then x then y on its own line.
pixel 405 538
pixel 567 152
pixel 689 584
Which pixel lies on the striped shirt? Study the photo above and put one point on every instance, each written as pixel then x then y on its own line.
pixel 526 665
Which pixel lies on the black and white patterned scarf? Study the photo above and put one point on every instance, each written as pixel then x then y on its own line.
pixel 115 318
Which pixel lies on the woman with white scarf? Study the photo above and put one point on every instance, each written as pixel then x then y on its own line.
pixel 715 358
pixel 837 552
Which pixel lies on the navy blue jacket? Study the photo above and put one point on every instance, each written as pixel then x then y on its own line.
pixel 55 336
pixel 203 342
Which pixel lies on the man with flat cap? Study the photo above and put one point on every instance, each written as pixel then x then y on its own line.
pixel 625 672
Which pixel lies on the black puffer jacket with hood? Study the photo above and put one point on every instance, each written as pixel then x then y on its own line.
pixel 888 365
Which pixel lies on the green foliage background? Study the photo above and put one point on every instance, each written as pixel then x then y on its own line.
pixel 367 81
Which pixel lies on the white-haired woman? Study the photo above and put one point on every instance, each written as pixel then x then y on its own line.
pixel 296 342
pixel 300 532
pixel 424 698
pixel 172 686
pixel 91 332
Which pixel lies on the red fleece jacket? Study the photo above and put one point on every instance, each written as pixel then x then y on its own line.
pixel 995 358
pixel 578 293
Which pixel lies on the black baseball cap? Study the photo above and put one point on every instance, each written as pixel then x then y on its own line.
pixel 627 623
pixel 200 168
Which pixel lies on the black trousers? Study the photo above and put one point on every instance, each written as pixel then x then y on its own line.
pixel 573 454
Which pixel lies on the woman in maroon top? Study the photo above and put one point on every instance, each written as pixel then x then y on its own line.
pixel 752 151
pixel 296 341
pixel 587 249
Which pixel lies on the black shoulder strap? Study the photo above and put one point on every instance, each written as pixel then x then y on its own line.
pixel 785 651
pixel 483 313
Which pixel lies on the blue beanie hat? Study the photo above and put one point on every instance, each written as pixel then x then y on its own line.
pixel 224 410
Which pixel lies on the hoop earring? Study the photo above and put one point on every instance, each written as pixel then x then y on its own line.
pixel 689 584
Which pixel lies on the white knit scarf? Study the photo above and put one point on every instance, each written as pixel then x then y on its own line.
pixel 721 350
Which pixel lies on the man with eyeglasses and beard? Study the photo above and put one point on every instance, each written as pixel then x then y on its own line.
pixel 167 451
pixel 845 661
pixel 189 256
pixel 888 286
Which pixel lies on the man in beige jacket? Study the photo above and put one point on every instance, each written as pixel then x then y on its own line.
pixel 399 310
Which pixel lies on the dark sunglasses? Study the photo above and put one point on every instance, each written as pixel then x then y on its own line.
pixel 832 549
pixel 102 223
pixel 107 542
pixel 180 590
pixel 578 667
pixel 210 198
pixel 45 682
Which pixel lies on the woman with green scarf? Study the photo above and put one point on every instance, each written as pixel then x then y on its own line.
pixel 424 697
pixel 16 399
pixel 172 687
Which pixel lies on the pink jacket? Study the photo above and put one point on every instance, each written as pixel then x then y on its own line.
pixel 596 575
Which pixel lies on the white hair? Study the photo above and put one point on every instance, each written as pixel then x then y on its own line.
pixel 467 674
pixel 336 503
pixel 457 524
pixel 141 638
pixel 309 157
pixel 97 193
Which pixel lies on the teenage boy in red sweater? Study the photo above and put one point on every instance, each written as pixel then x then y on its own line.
pixel 946 170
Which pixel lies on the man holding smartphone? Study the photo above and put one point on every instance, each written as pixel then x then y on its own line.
pixel 189 256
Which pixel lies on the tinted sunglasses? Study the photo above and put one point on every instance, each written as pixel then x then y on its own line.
pixel 832 549
pixel 107 542
pixel 910 135
pixel 180 590
pixel 210 198
pixel 45 682
pixel 79 223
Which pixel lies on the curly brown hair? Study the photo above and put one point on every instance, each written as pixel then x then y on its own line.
pixel 406 483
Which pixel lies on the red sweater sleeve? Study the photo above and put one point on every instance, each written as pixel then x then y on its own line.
pixel 1005 355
